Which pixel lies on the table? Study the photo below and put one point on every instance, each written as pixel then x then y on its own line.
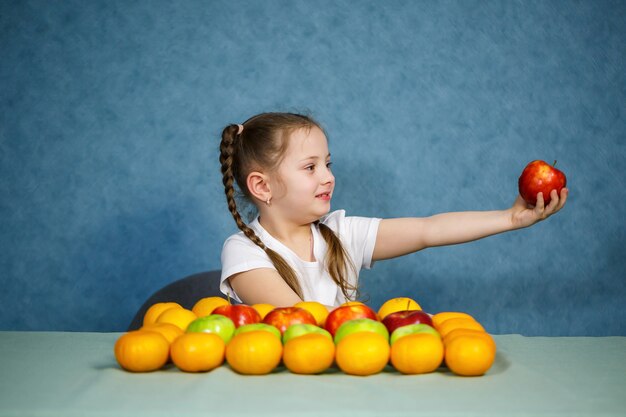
pixel 75 374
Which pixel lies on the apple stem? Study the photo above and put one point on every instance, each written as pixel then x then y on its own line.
pixel 554 164
pixel 408 303
pixel 228 296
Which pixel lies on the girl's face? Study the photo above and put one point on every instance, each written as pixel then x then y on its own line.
pixel 303 184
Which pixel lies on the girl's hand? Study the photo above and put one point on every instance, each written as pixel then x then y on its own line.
pixel 524 215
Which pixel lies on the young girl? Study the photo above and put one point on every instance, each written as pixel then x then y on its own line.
pixel 296 249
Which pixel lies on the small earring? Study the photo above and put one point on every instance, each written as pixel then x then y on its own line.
pixel 268 201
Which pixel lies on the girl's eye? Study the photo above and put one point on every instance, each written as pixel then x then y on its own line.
pixel 309 167
pixel 329 165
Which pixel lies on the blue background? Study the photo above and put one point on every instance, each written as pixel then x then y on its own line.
pixel 111 112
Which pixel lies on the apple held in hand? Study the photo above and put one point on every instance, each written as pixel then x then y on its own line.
pixel 539 176
pixel 348 312
pixel 360 325
pixel 283 317
pixel 403 318
pixel 240 314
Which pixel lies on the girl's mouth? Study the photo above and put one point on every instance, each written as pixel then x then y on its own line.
pixel 324 196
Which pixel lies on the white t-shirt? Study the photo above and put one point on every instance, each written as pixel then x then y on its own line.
pixel 357 235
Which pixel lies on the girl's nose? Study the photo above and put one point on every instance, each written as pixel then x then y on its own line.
pixel 328 177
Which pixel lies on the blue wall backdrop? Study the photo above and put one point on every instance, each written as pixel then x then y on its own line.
pixel 111 112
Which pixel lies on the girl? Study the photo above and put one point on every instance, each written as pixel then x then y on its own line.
pixel 296 249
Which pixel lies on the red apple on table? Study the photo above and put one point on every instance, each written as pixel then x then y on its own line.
pixel 349 312
pixel 539 176
pixel 240 314
pixel 283 317
pixel 405 317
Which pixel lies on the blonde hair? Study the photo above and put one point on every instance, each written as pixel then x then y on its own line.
pixel 261 144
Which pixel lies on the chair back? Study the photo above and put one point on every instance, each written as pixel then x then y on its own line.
pixel 185 291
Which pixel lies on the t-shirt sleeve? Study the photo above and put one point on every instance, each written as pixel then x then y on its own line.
pixel 358 234
pixel 240 254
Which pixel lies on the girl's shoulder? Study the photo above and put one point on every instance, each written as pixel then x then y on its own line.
pixel 339 223
pixel 239 239
pixel 333 218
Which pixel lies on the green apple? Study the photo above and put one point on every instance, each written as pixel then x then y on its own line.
pixel 301 329
pixel 412 328
pixel 257 326
pixel 214 323
pixel 360 325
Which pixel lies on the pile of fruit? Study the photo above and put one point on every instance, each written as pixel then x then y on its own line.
pixel 306 338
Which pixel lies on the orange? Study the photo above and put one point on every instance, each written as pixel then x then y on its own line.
pixel 469 355
pixel 469 332
pixel 362 353
pixel 141 351
pixel 311 353
pixel 458 323
pixel 155 310
pixel 318 310
pixel 397 304
pixel 198 352
pixel 168 330
pixel 417 353
pixel 205 306
pixel 445 315
pixel 254 353
pixel 263 309
pixel 181 317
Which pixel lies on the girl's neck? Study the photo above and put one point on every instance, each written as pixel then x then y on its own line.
pixel 298 238
pixel 285 232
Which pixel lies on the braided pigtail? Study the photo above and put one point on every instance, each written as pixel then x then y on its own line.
pixel 338 263
pixel 228 152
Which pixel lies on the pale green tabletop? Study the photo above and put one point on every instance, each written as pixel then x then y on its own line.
pixel 75 374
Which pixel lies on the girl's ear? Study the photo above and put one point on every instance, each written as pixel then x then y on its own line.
pixel 259 187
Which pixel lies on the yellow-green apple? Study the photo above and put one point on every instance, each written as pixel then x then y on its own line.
pixel 257 326
pixel 301 329
pixel 360 325
pixel 347 312
pixel 402 318
pixel 540 177
pixel 411 329
pixel 283 317
pixel 215 323
pixel 240 314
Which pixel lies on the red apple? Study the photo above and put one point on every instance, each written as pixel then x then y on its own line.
pixel 283 317
pixel 405 317
pixel 240 314
pixel 349 312
pixel 539 176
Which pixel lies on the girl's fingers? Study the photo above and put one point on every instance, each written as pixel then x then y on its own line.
pixel 557 202
pixel 554 196
pixel 564 193
pixel 540 204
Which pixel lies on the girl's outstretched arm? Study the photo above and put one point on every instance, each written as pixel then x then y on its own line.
pixel 398 237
